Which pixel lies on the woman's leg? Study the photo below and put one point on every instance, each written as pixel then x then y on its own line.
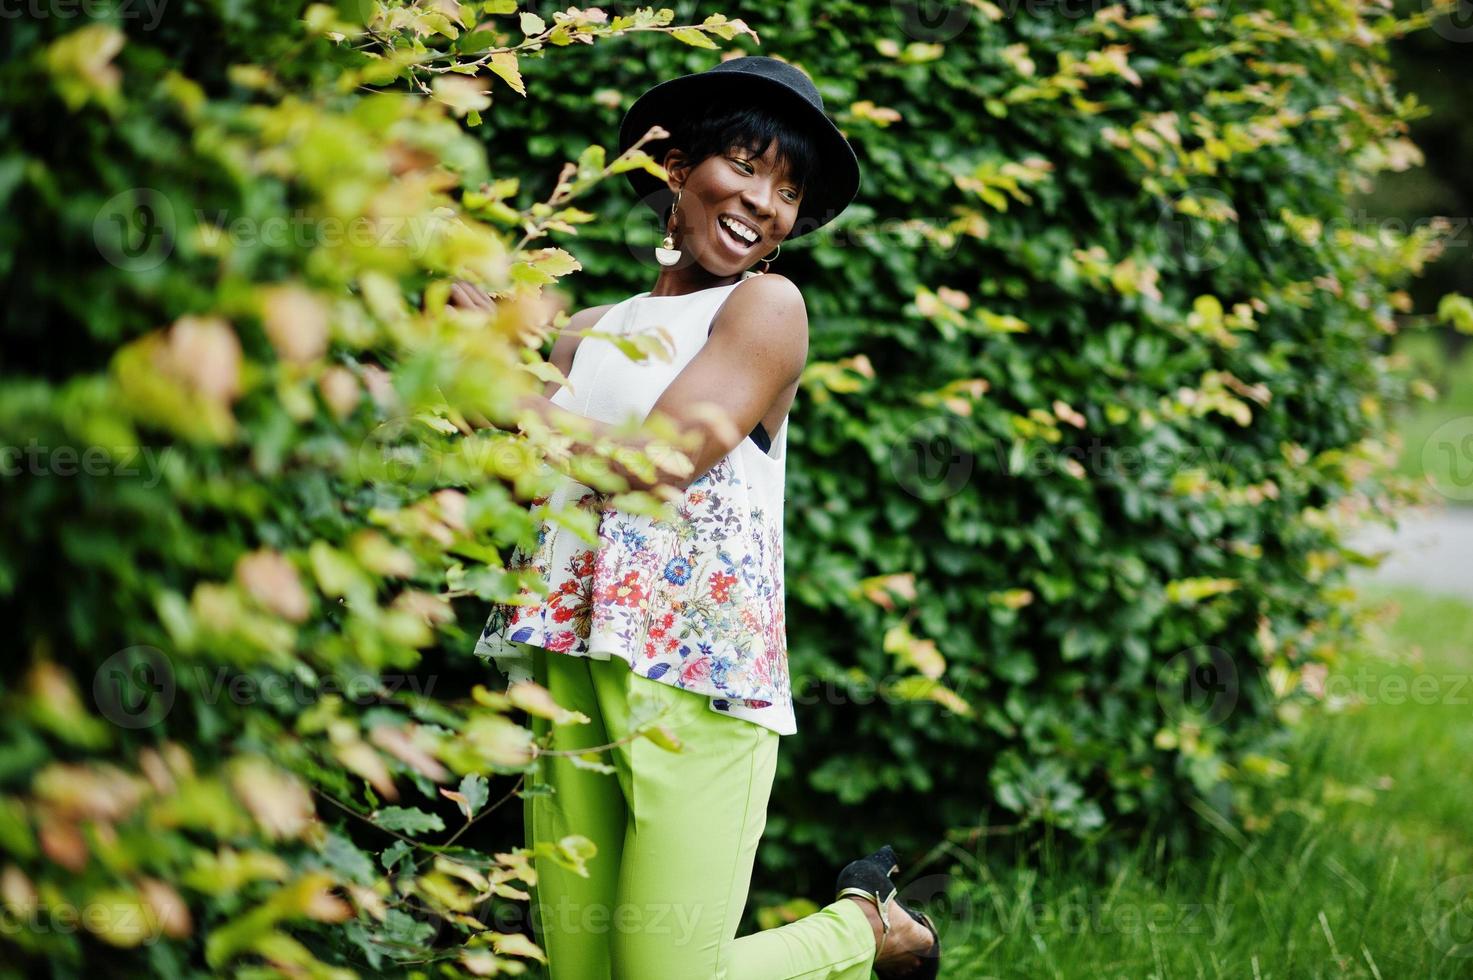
pixel 569 912
pixel 694 820
pixel 835 943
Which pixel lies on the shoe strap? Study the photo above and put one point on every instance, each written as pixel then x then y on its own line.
pixel 882 905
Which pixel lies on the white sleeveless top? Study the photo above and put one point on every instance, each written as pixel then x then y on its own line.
pixel 696 603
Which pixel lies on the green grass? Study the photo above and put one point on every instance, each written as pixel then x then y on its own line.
pixel 1367 871
pixel 1433 432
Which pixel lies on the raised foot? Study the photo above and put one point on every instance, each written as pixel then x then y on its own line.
pixel 901 952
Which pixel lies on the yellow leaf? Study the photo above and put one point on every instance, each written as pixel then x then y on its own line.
pixel 575 849
pixel 130 921
pixel 464 872
pixel 359 757
pixel 461 94
pixel 535 699
pixel 692 37
pixel 879 115
pixel 479 962
pixel 278 800
pixel 504 64
pixel 401 745
pixel 664 738
pixel 499 741
pixel 917 688
pixel 915 652
pixel 1011 598
pixel 516 944
pixel 878 588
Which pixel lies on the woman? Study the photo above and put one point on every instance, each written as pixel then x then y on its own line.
pixel 686 616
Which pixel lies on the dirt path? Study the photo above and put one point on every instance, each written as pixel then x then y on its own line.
pixel 1431 549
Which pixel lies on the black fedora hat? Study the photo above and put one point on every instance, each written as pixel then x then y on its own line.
pixel 753 78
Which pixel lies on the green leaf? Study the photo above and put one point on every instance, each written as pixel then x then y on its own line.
pixel 395 853
pixel 346 860
pixel 591 162
pixel 476 790
pixel 1457 310
pixel 16 837
pixel 407 820
pixel 475 42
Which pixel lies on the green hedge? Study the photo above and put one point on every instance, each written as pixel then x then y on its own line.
pixel 1096 356
pixel 249 534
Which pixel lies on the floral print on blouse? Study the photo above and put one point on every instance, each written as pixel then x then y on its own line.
pixel 696 602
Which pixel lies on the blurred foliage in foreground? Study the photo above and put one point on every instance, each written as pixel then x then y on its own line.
pixel 241 730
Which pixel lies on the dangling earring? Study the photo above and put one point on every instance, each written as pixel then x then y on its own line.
pixel 666 253
pixel 768 260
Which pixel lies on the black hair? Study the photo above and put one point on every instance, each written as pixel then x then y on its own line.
pixel 717 129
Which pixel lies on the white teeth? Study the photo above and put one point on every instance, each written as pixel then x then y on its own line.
pixel 745 233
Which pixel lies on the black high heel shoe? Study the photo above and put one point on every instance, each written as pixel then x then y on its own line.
pixel 869 878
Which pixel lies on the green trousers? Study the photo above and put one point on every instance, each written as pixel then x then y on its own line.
pixel 677 837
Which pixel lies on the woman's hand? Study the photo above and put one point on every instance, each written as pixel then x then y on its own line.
pixel 469 296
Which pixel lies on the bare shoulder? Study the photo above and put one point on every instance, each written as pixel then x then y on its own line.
pixel 586 318
pixel 770 295
pixel 568 338
pixel 765 320
pixel 582 320
pixel 763 308
pixel 572 333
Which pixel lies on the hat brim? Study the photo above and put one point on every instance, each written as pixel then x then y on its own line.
pixel 824 198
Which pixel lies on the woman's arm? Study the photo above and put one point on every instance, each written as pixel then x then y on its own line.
pixel 556 417
pixel 757 348
pixel 470 296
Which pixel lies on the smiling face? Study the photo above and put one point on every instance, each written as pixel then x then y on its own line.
pixel 735 208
